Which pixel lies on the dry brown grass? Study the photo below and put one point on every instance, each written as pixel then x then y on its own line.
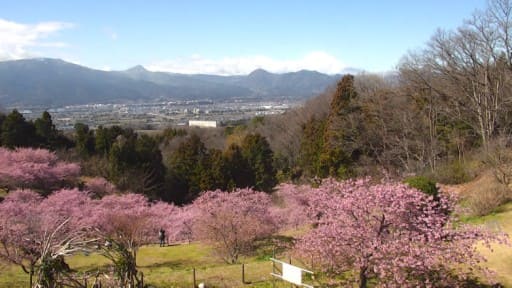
pixel 483 195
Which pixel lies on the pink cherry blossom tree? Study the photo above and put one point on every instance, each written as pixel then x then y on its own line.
pixel 181 228
pixel 126 222
pixel 37 169
pixel 292 203
pixel 20 229
pixel 390 234
pixel 65 214
pixel 36 233
pixel 231 222
pixel 99 187
pixel 176 221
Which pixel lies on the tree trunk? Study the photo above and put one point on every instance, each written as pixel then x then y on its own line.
pixel 31 273
pixel 362 277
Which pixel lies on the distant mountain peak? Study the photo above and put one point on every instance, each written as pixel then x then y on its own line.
pixel 41 60
pixel 259 71
pixel 138 69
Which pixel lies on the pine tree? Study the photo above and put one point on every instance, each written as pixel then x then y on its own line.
pixel 84 139
pixel 312 143
pixel 186 167
pixel 240 174
pixel 256 150
pixel 335 159
pixel 17 132
pixel 46 131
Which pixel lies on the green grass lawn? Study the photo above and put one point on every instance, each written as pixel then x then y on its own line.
pixel 500 259
pixel 169 267
pixel 172 266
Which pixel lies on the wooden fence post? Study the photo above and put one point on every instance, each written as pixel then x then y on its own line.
pixel 243 273
pixel 194 276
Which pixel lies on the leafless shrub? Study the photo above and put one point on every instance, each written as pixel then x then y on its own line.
pixel 486 194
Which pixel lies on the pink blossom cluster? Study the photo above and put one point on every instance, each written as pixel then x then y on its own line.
pixel 27 219
pixel 291 205
pixel 388 232
pixel 31 225
pixel 34 168
pixel 232 221
pixel 99 187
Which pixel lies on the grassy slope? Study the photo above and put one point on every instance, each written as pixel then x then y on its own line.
pixel 500 259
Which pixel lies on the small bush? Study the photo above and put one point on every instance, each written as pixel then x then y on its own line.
pixel 485 195
pixel 423 184
pixel 453 173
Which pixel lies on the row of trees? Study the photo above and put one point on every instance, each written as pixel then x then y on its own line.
pixel 131 161
pixel 134 162
pixel 193 168
pixel 37 169
pixel 15 131
pixel 386 233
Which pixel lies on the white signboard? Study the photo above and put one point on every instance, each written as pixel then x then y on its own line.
pixel 292 274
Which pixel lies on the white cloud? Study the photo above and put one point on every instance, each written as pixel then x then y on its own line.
pixel 317 60
pixel 19 40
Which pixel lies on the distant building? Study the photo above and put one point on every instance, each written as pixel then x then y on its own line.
pixel 202 123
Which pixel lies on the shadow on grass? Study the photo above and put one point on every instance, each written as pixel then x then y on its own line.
pixel 93 268
pixel 173 264
pixel 474 283
pixel 267 248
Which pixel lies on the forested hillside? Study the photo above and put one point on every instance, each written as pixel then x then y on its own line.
pixel 446 108
pixel 446 102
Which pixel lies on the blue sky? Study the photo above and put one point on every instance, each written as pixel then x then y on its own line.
pixel 226 37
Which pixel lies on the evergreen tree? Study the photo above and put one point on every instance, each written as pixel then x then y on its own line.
pixel 46 131
pixel 312 143
pixel 84 140
pixel 2 118
pixel 256 150
pixel 122 157
pixel 16 132
pixel 336 158
pixel 186 167
pixel 216 173
pixel 101 142
pixel 105 138
pixel 152 177
pixel 240 174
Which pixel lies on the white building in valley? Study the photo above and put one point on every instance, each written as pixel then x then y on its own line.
pixel 202 123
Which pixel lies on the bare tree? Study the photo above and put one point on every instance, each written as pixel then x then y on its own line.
pixel 471 67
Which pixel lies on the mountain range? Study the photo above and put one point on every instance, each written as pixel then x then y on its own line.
pixel 54 82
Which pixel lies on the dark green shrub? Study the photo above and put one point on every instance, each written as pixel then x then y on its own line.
pixel 423 184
